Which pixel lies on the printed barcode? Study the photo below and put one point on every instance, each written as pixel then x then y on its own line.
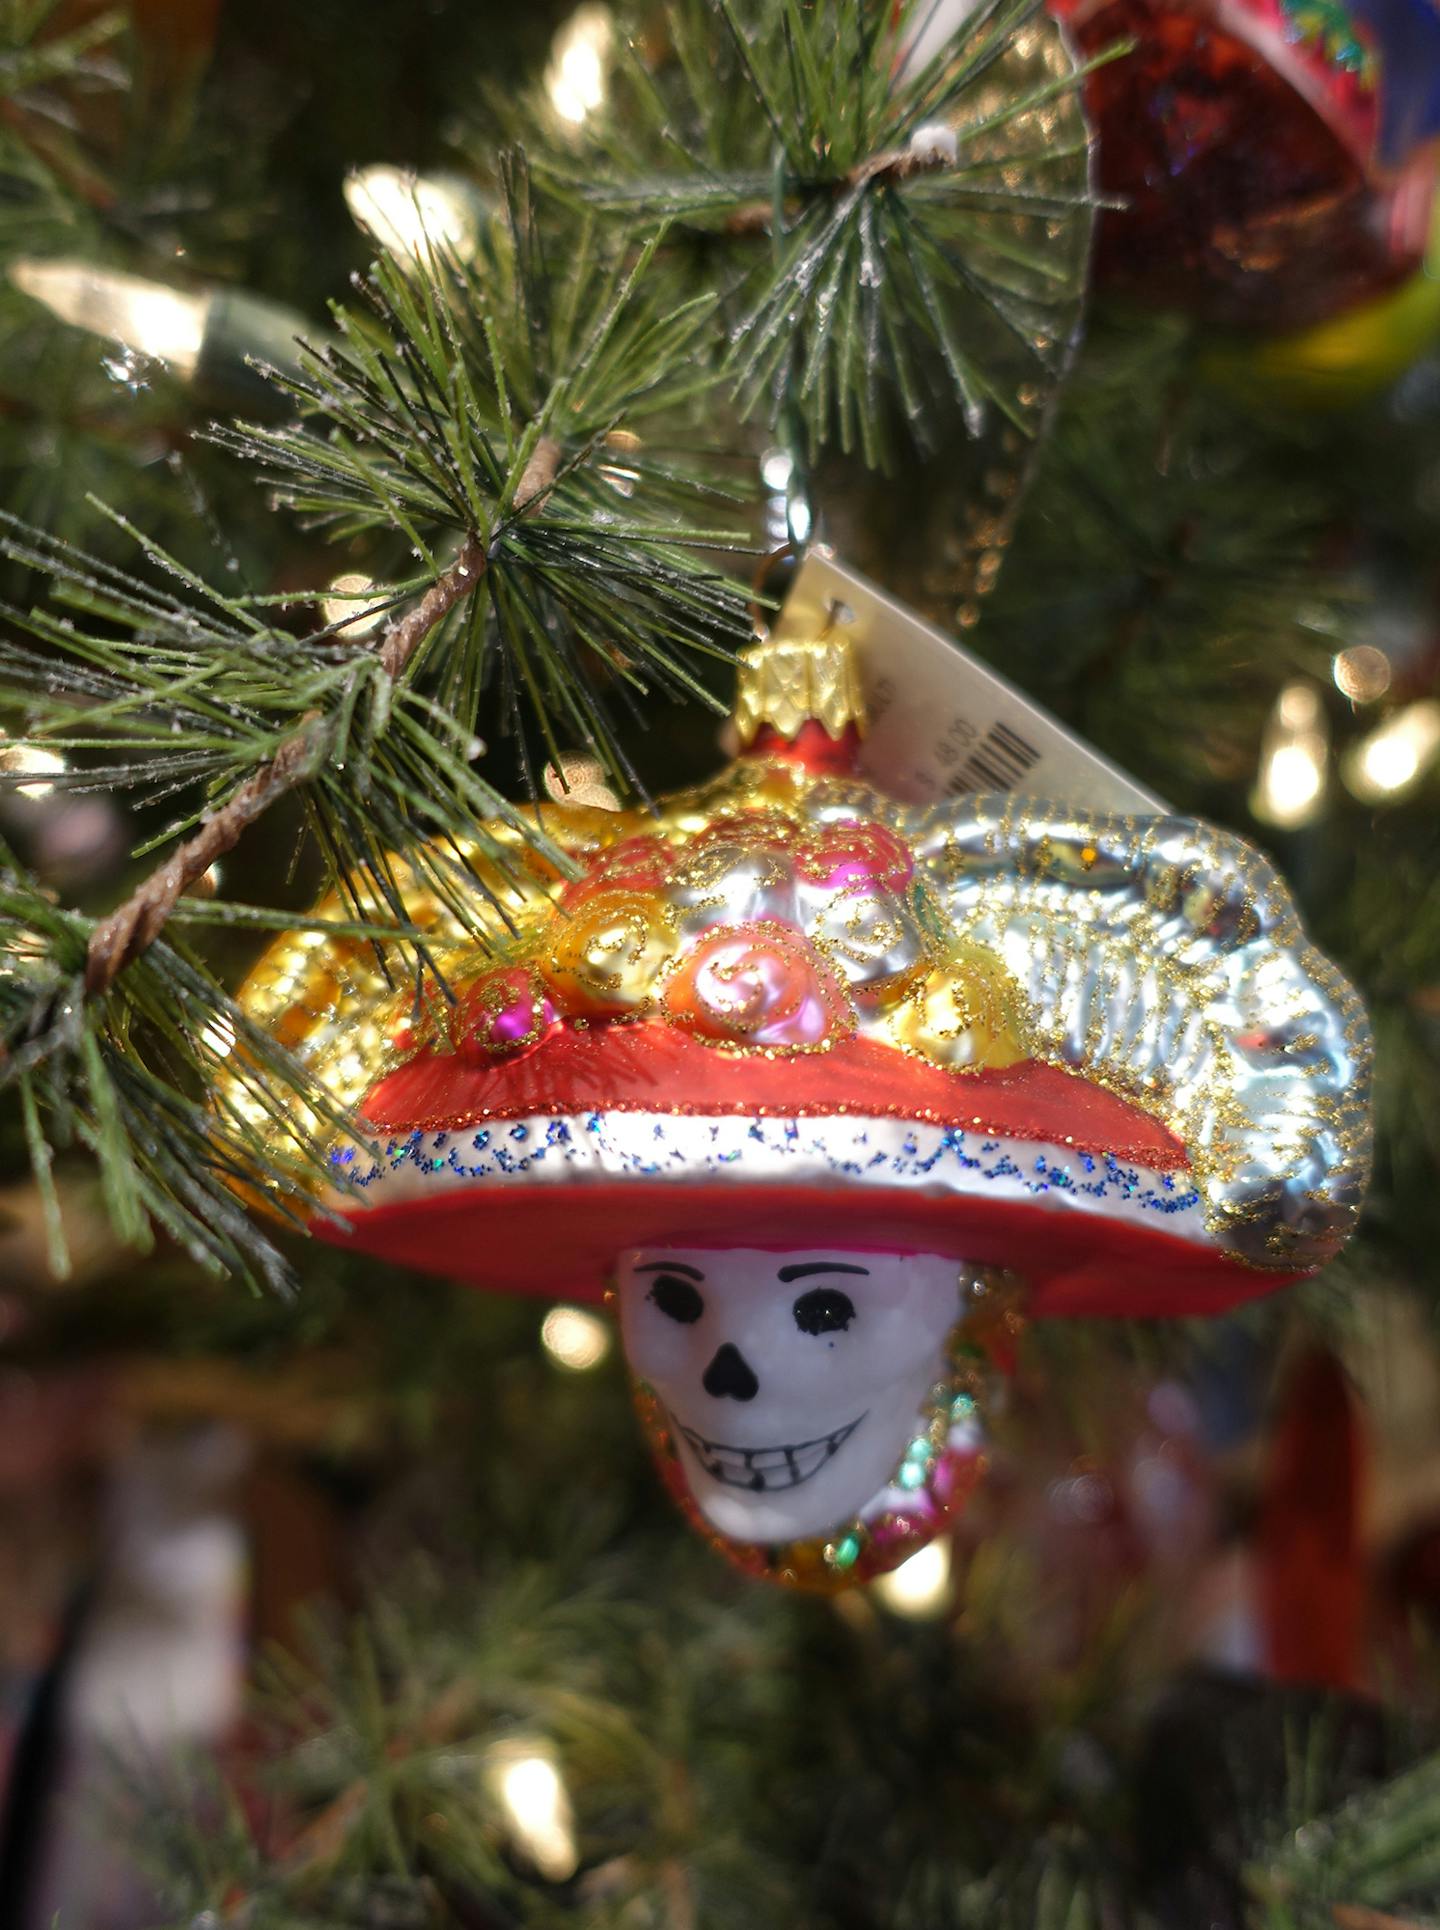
pixel 997 763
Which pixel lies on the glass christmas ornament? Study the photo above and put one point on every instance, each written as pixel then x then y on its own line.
pixel 829 1093
pixel 1274 160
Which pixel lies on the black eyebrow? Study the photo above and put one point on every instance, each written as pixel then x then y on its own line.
pixel 673 1266
pixel 787 1274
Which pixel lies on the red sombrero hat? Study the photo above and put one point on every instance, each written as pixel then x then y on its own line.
pixel 1098 1051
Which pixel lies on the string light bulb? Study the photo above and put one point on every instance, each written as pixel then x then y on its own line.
pixel 577 78
pixel 30 769
pixel 219 339
pixel 1392 758
pixel 1361 673
pixel 575 1339
pixel 919 1588
pixel 163 323
pixel 1294 756
pixel 344 604
pixel 525 1783
pixel 409 213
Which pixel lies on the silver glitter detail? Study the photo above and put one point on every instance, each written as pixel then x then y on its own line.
pixel 1165 958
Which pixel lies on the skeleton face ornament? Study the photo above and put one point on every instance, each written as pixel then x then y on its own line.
pixel 901 1052
pixel 815 1396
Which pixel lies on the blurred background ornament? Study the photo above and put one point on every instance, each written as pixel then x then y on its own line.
pixel 1274 159
pixel 72 837
pixel 1335 363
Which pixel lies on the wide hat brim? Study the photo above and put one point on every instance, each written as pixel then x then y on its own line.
pixel 532 1174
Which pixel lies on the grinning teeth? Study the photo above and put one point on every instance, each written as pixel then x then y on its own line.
pixel 766 1470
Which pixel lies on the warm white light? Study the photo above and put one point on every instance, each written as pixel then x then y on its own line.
pixel 344 602
pixel 1395 754
pixel 574 1338
pixel 219 1036
pixel 937 25
pixel 27 759
pixel 410 213
pixel 576 79
pixel 776 470
pixel 527 1786
pixel 157 321
pixel 1361 673
pixel 1293 779
pixel 1294 753
pixel 919 1587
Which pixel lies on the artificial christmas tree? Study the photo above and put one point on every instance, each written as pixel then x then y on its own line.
pixel 673 288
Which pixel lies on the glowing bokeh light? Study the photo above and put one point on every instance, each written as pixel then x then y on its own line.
pixel 344 603
pixel 32 762
pixel 575 1339
pixel 1361 673
pixel 920 1587
pixel 577 77
pixel 526 1784
pixel 1395 755
pixel 157 321
pixel 411 213
pixel 1294 754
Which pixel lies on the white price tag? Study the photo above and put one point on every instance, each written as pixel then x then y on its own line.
pixel 940 722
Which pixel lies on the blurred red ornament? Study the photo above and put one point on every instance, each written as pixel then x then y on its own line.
pixel 1275 158
pixel 1312 1577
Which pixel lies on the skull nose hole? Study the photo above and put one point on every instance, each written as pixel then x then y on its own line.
pixel 730 1376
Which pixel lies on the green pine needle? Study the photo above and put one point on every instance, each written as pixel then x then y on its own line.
pixel 976 267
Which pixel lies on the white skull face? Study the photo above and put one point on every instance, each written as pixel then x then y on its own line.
pixel 793 1379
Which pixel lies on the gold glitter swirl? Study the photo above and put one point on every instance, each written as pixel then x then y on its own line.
pixel 603 957
pixel 758 985
pixel 967 1015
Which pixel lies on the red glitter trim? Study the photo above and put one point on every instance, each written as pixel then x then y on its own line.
pixel 655 1068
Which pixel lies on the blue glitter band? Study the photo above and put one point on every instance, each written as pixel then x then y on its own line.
pixel 607 1148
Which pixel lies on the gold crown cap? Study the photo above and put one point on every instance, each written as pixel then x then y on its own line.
pixel 789 681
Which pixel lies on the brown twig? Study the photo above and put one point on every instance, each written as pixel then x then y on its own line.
pixel 886 169
pixel 135 925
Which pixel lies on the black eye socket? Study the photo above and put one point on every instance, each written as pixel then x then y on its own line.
pixel 677 1299
pixel 824 1310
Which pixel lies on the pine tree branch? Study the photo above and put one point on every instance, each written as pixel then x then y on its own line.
pixel 136 924
pixel 886 169
pixel 400 640
pixel 515 419
pixel 927 223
